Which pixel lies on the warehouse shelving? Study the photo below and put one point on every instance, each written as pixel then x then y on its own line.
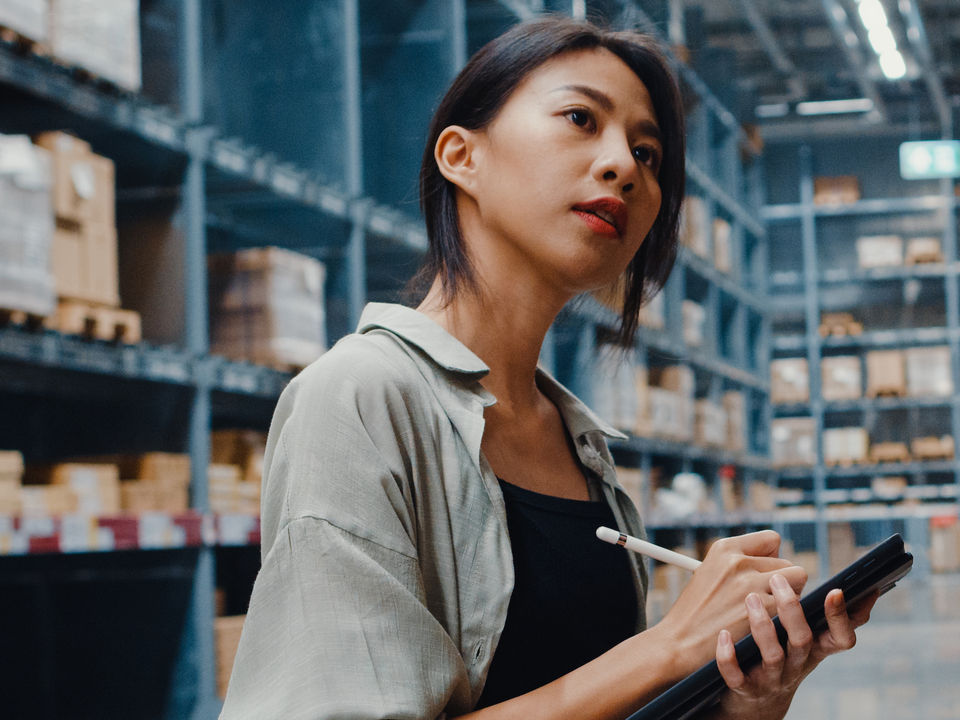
pixel 823 494
pixel 223 190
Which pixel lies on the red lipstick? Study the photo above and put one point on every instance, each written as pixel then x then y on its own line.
pixel 605 216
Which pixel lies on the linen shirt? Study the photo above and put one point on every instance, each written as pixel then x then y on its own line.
pixel 386 565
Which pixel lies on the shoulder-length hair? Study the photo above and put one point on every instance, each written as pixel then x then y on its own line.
pixel 473 101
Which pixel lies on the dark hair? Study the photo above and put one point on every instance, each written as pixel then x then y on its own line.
pixel 473 101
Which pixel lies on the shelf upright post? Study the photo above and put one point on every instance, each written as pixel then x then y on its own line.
pixel 811 291
pixel 952 298
pixel 352 119
pixel 193 687
pixel 458 36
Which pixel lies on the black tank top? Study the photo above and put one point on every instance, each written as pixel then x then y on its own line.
pixel 573 599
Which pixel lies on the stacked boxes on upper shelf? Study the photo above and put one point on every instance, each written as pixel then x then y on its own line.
pixel 236 468
pixel 711 239
pixel 26 227
pixel 11 477
pixel 267 307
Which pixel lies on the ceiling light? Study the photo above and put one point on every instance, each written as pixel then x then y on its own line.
pixel 881 40
pixel 872 14
pixel 893 65
pixel 772 110
pixel 835 107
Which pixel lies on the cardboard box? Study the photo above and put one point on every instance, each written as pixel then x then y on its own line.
pixel 722 253
pixel 710 424
pixel 836 190
pixel 10 501
pixel 96 486
pixel 761 496
pixel 652 314
pixel 267 306
pixel 641 387
pixel 11 464
pixel 932 448
pixel 633 481
pixel 789 381
pixel 227 632
pixel 888 488
pixel 875 251
pixel 29 18
pixel 694 319
pixel 735 406
pixel 694 224
pixel 889 452
pixel 841 378
pixel 886 373
pixel 666 413
pixel 243 448
pixel 928 372
pixel 944 543
pixel 101 36
pixel 923 250
pixel 843 548
pixel 793 442
pixel 48 500
pixel 845 446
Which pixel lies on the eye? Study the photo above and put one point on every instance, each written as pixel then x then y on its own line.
pixel 647 155
pixel 581 118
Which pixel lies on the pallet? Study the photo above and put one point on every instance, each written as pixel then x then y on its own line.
pixel 27 320
pixel 930 258
pixel 888 391
pixel 844 462
pixel 839 325
pixel 933 448
pixel 22 44
pixel 889 452
pixel 95 322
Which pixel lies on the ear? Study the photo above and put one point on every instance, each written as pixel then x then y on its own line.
pixel 456 154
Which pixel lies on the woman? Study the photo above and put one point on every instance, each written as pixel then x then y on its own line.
pixel 430 495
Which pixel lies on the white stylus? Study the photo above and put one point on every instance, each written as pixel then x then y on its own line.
pixel 647 548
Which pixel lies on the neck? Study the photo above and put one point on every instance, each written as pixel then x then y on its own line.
pixel 504 325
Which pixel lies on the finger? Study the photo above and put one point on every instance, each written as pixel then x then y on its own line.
pixel 765 636
pixel 860 613
pixel 795 576
pixel 727 662
pixel 799 634
pixel 764 543
pixel 840 629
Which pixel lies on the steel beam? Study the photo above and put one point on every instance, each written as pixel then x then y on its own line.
pixel 920 44
pixel 770 45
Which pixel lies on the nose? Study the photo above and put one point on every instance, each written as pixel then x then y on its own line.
pixel 616 164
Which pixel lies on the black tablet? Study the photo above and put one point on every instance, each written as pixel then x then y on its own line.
pixel 879 569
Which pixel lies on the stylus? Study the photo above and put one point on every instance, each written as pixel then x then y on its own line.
pixel 647 548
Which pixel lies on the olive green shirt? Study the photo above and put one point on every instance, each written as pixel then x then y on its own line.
pixel 386 564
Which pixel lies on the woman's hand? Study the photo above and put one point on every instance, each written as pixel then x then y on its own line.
pixel 734 568
pixel 765 692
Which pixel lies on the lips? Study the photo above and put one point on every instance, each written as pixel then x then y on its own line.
pixel 611 211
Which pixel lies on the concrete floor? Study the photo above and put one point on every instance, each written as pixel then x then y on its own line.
pixel 905 666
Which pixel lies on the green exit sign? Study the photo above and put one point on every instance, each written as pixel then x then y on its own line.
pixel 930 159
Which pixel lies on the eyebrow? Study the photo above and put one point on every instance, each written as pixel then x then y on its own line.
pixel 603 100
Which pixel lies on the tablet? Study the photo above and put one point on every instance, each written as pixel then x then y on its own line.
pixel 879 569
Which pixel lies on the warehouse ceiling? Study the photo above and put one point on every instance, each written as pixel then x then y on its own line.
pixel 784 55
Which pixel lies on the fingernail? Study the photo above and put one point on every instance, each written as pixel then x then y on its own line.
pixel 753 603
pixel 779 582
pixel 725 639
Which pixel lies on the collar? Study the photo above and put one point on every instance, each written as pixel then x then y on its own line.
pixel 449 353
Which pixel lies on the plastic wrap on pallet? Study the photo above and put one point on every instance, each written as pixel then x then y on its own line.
pixel 101 36
pixel 614 387
pixel 929 372
pixel 26 227
pixel 27 17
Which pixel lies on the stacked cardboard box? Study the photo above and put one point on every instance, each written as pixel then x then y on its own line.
pixel 932 448
pixel 886 374
pixel 229 493
pixel 26 227
pixel 694 224
pixel 944 544
pixel 643 427
pixel 47 500
pixel 614 391
pixel 761 496
pixel 836 190
pixel 722 254
pixel 633 482
pixel 694 319
pixel 888 487
pixel 793 442
pixel 928 371
pixel 670 398
pixel 887 452
pixel 11 477
pixel 735 406
pixel 101 36
pixel 154 482
pixel 94 487
pixel 840 378
pixel 243 448
pixel 267 306
pixel 789 381
pixel 226 632
pixel 652 313
pixel 28 18
pixel 843 548
pixel 85 240
pixel 845 446
pixel 710 424
pixel 875 251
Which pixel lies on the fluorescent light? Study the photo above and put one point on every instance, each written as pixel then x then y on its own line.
pixel 893 65
pixel 881 40
pixel 835 107
pixel 772 110
pixel 872 14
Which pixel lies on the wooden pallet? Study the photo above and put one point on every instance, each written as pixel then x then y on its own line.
pixel 95 322
pixel 30 321
pixel 933 448
pixel 22 43
pixel 929 258
pixel 839 325
pixel 889 452
pixel 888 391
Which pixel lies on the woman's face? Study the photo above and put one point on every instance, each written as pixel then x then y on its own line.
pixel 566 179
